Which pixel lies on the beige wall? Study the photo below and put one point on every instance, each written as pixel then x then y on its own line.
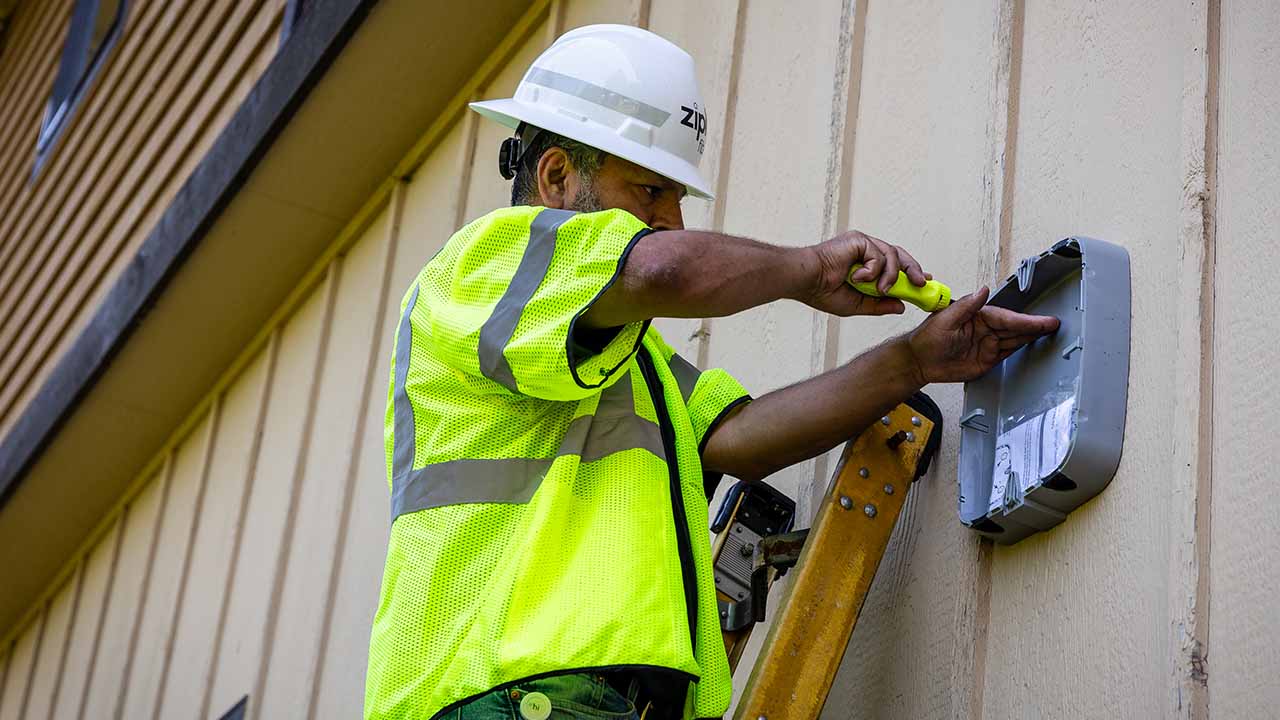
pixel 249 561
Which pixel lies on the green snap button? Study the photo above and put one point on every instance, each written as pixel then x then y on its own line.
pixel 535 706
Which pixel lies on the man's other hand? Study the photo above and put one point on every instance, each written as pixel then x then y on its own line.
pixel 967 339
pixel 880 261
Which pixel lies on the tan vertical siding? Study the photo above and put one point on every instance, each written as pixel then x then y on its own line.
pixel 577 14
pixel 486 189
pixel 782 120
pixel 46 670
pixel 427 214
pixel 139 521
pixel 220 518
pixel 161 602
pixel 22 661
pixel 324 300
pixel 926 80
pixel 273 497
pixel 1099 153
pixel 290 672
pixel 338 688
pixel 4 671
pixel 85 632
pixel 1244 642
pixel 251 564
pixel 165 91
pixel 267 359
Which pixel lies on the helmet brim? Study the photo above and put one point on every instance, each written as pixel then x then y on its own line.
pixel 511 112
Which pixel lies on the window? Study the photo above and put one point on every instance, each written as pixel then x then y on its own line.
pixel 6 19
pixel 293 12
pixel 95 25
pixel 238 710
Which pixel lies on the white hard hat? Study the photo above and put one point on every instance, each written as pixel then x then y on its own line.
pixel 619 89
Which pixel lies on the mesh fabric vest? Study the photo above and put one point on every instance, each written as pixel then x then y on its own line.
pixel 547 499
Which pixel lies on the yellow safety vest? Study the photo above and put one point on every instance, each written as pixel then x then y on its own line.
pixel 547 500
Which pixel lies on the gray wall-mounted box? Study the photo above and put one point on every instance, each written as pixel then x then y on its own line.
pixel 1041 433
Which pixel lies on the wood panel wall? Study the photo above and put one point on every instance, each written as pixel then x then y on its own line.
pixel 166 89
pixel 250 555
pixel 1242 562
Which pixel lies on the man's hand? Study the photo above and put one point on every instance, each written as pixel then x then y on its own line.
pixel 967 339
pixel 798 422
pixel 696 273
pixel 880 261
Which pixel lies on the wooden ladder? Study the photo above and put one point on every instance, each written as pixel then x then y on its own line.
pixel 833 562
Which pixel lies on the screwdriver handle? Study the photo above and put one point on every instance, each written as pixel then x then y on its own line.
pixel 933 297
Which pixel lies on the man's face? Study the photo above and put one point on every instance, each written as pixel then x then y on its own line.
pixel 622 184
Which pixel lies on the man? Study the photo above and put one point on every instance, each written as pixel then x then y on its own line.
pixel 551 458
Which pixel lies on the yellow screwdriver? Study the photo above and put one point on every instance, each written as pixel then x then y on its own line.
pixel 931 298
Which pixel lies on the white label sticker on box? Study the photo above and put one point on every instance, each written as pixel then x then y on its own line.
pixel 1029 451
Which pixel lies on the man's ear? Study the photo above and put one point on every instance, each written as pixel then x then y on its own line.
pixel 554 169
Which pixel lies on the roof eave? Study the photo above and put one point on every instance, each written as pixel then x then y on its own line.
pixel 251 219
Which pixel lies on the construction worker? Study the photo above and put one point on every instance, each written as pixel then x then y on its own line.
pixel 551 458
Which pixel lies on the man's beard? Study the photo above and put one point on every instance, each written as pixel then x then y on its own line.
pixel 586 200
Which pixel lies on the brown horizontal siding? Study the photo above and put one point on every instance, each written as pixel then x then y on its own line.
pixel 29 65
pixel 216 104
pixel 172 81
pixel 106 99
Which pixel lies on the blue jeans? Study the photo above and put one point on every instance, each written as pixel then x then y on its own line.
pixel 583 696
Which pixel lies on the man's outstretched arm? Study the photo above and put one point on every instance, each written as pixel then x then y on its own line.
pixel 696 273
pixel 806 419
pixel 691 273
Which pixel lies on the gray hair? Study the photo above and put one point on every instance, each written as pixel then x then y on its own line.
pixel 586 160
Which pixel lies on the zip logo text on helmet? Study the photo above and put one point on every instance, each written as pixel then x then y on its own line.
pixel 697 121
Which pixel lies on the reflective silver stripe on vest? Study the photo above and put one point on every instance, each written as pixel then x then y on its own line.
pixel 405 439
pixel 597 95
pixel 617 400
pixel 514 480
pixel 501 325
pixel 686 376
